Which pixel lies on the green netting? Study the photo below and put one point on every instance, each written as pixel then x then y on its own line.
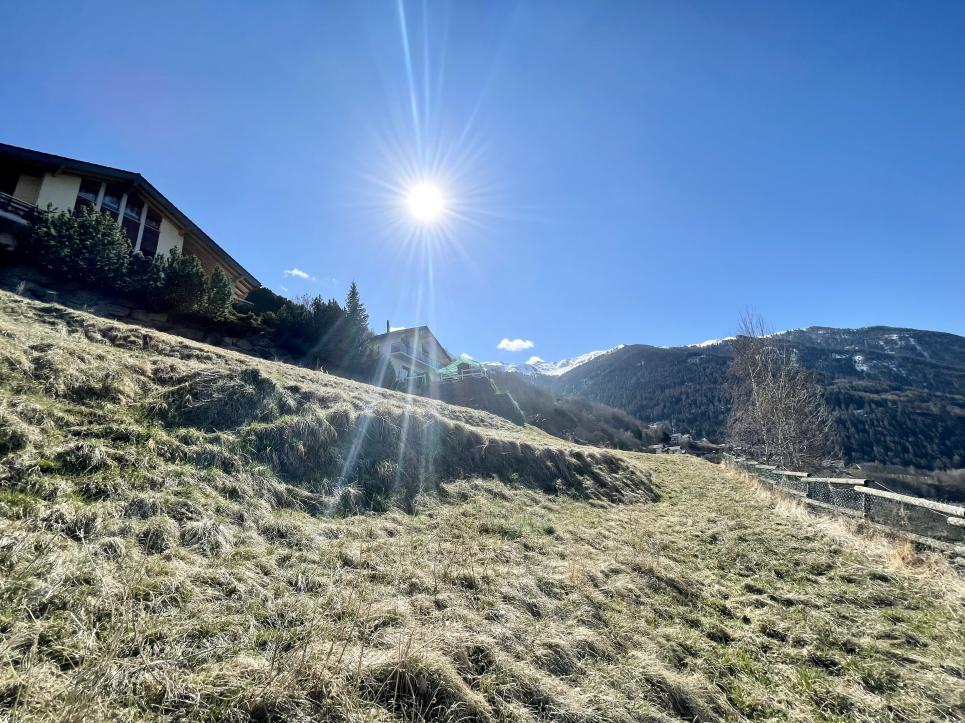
pixel 458 365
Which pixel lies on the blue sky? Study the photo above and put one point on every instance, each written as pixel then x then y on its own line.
pixel 615 172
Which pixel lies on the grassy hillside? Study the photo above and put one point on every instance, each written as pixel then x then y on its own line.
pixel 191 534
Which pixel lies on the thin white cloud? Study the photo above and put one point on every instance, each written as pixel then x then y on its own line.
pixel 515 344
pixel 299 274
pixel 533 360
pixel 464 355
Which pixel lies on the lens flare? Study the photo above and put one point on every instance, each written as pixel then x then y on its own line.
pixel 425 202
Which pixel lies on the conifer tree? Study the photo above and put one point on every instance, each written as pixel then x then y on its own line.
pixel 359 359
pixel 355 311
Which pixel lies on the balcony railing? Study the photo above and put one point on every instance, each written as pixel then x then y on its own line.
pixel 13 209
pixel 473 372
pixel 400 348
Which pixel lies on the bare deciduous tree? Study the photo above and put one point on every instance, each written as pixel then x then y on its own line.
pixel 777 408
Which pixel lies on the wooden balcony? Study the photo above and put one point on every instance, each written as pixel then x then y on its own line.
pixel 16 211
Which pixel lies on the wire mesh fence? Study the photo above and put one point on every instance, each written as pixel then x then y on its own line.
pixel 839 494
pixel 853 496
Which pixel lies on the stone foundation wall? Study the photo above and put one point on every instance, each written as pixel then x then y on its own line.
pixel 859 498
pixel 35 285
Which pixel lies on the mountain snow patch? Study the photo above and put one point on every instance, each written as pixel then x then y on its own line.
pixel 538 367
pixel 712 342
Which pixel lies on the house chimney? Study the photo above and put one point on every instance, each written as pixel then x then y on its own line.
pixel 387 327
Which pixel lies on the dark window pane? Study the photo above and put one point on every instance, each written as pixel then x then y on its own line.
pixel 131 222
pixel 111 204
pixel 87 196
pixel 133 208
pixel 131 228
pixel 153 219
pixel 8 179
pixel 151 233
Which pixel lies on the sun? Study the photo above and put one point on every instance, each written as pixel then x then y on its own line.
pixel 425 202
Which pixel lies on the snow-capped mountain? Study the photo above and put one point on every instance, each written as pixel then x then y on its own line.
pixel 535 366
pixel 710 342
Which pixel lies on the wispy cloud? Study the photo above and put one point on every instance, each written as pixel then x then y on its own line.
pixel 515 344
pixel 464 355
pixel 533 360
pixel 299 274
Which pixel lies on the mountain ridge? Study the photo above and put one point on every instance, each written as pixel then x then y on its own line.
pixel 898 394
pixel 559 368
pixel 539 367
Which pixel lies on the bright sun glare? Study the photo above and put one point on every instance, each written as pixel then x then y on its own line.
pixel 425 202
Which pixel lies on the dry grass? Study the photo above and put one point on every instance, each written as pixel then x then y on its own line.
pixel 190 534
pixel 917 559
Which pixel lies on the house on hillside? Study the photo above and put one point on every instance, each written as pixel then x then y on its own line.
pixel 412 352
pixel 30 180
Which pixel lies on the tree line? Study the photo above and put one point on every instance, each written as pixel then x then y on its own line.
pixel 322 334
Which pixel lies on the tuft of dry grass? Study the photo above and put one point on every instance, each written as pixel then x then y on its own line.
pixel 241 540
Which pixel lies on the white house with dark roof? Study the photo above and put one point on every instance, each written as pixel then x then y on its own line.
pixel 414 351
pixel 31 180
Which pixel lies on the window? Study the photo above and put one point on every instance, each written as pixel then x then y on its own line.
pixel 111 203
pixel 134 210
pixel 87 196
pixel 152 232
pixel 132 217
pixel 8 180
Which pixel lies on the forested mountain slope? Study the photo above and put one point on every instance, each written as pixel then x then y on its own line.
pixel 898 394
pixel 575 419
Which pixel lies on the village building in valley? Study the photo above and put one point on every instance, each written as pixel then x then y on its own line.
pixel 32 181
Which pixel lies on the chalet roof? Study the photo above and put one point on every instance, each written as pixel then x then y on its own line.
pixel 422 331
pixel 51 162
pixel 406 330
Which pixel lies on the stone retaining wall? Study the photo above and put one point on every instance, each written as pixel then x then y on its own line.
pixel 35 285
pixel 859 498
